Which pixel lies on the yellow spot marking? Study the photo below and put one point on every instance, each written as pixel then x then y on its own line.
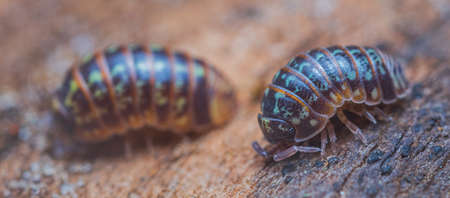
pixel 98 93
pixel 357 93
pixel 119 89
pixel 73 88
pixel 295 121
pixel 159 66
pixel 334 97
pixel 199 71
pixel 142 66
pixel 95 77
pixel 160 99
pixel 86 58
pixel 374 93
pixel 180 103
pixel 68 101
pixel 117 70
pixel 313 122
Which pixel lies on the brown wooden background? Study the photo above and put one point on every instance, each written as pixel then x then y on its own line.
pixel 248 41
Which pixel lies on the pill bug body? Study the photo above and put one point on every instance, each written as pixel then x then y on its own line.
pixel 128 87
pixel 316 85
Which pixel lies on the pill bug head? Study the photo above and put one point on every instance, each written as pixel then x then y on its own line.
pixel 223 103
pixel 403 84
pixel 73 111
pixel 61 114
pixel 276 130
pixel 400 84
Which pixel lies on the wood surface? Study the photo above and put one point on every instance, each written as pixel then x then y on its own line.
pixel 248 41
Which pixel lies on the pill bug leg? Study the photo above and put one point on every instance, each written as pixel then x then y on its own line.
pixel 292 150
pixel 284 154
pixel 364 113
pixel 127 147
pixel 332 136
pixel 352 127
pixel 328 132
pixel 380 114
pixel 323 141
pixel 149 144
pixel 259 149
pixel 369 116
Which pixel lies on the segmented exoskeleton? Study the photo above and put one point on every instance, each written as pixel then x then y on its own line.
pixel 128 87
pixel 316 85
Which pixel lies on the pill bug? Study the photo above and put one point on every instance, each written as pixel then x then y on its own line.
pixel 316 85
pixel 128 87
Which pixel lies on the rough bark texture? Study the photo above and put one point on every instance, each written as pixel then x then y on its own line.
pixel 248 41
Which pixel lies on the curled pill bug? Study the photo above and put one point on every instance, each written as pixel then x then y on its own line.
pixel 321 83
pixel 129 87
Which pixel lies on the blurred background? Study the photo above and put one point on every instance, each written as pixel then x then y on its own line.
pixel 247 40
